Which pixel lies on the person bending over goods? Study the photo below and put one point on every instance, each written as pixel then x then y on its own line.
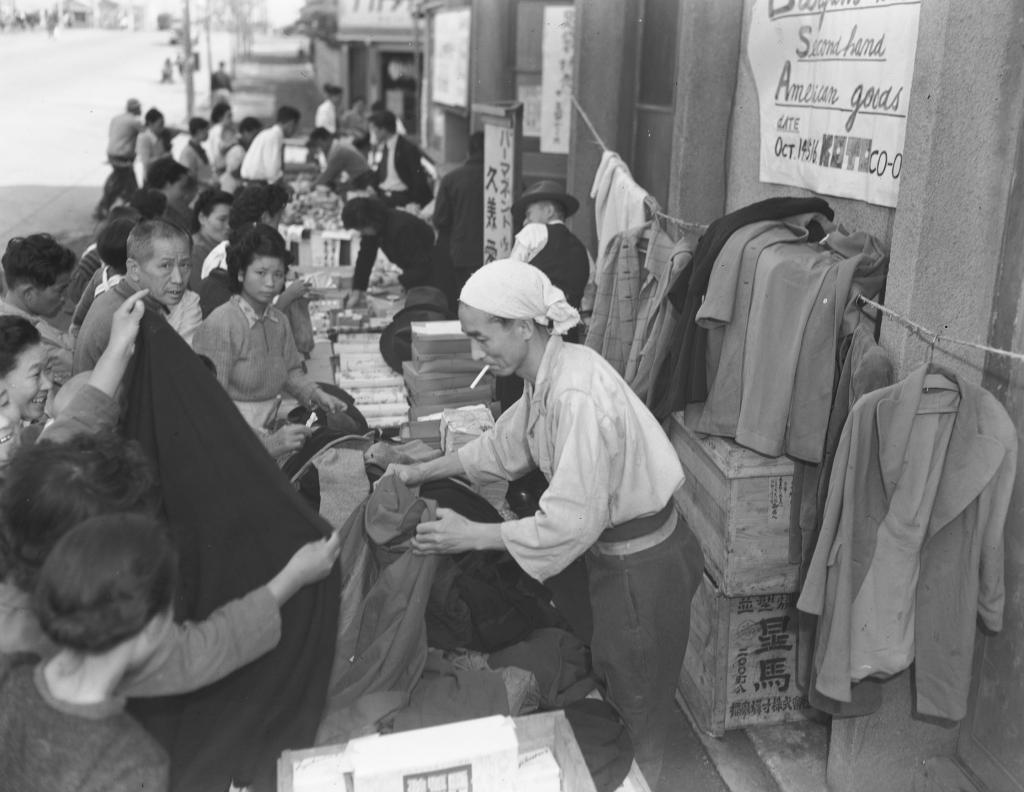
pixel 612 474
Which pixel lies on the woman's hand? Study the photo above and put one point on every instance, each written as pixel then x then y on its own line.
pixel 124 328
pixel 288 439
pixel 327 402
pixel 311 562
pixel 298 289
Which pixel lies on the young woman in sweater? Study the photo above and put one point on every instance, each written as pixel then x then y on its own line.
pixel 250 342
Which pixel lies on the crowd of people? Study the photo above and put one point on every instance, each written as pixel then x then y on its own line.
pixel 182 305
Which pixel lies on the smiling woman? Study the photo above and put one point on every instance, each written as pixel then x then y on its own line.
pixel 24 375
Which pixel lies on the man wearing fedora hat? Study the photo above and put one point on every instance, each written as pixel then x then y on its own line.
pixel 547 243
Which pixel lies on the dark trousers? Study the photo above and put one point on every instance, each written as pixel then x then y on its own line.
pixel 121 183
pixel 641 604
pixel 396 200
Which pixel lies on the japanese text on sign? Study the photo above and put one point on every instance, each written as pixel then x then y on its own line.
pixel 377 14
pixel 557 50
pixel 499 161
pixel 450 57
pixel 834 89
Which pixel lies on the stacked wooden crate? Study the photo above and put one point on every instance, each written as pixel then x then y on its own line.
pixel 740 666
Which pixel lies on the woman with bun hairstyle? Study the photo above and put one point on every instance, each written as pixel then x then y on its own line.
pixel 104 599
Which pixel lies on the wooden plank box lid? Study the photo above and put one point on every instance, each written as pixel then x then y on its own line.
pixel 737 503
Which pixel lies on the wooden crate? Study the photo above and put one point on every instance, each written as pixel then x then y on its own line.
pixel 740 666
pixel 737 504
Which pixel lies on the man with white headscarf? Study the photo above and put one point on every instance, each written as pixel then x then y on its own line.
pixel 612 474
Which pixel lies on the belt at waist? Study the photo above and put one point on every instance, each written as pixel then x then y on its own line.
pixel 648 540
pixel 638 526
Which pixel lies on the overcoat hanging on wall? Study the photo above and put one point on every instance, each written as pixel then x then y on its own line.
pixel 959 562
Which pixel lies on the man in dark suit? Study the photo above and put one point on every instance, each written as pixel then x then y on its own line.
pixel 459 217
pixel 401 177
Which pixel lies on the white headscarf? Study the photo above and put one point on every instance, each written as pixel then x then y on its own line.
pixel 512 289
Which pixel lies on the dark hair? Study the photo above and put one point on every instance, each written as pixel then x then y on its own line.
pixel 163 172
pixel 16 335
pixel 218 112
pixel 125 212
pixel 286 113
pixel 148 202
pixel 249 124
pixel 333 90
pixel 37 259
pixel 248 243
pixel 362 213
pixel 196 125
pixel 112 244
pixel 319 134
pixel 153 115
pixel 208 199
pixel 384 119
pixel 51 487
pixel 476 144
pixel 252 201
pixel 358 99
pixel 104 581
pixel 142 237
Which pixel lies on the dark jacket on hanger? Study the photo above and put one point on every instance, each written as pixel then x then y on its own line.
pixel 682 378
pixel 236 520
pixel 961 557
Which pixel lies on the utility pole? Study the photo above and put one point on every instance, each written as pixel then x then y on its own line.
pixel 190 88
pixel 209 46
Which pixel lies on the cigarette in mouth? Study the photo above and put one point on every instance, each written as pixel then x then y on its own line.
pixel 479 377
pixel 311 420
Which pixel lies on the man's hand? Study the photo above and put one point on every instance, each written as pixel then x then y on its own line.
pixel 453 533
pixel 311 562
pixel 355 299
pixel 410 475
pixel 327 402
pixel 287 439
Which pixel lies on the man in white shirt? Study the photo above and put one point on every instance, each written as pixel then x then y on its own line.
pixel 329 111
pixel 401 176
pixel 612 474
pixel 264 161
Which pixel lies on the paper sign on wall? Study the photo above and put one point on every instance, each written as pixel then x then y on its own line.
pixel 450 57
pixel 557 49
pixel 499 161
pixel 833 81
pixel 529 95
pixel 378 14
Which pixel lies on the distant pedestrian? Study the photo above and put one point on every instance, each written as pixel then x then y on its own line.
pixel 122 136
pixel 264 160
pixel 222 136
pixel 193 156
pixel 459 215
pixel 174 181
pixel 220 85
pixel 354 123
pixel 231 178
pixel 328 113
pixel 151 145
pixel 167 72
pixel 401 176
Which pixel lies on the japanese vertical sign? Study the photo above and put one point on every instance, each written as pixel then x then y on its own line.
pixel 450 57
pixel 762 659
pixel 499 161
pixel 833 81
pixel 557 49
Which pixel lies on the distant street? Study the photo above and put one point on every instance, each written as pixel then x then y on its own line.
pixel 59 97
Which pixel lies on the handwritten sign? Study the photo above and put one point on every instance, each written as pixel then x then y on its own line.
pixel 557 49
pixel 833 80
pixel 529 95
pixel 499 161
pixel 450 57
pixel 377 14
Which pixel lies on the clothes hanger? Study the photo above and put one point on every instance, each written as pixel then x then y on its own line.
pixel 937 379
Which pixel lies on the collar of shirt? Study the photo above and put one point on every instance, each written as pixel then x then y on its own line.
pixel 9 309
pixel 125 289
pixel 548 363
pixel 250 313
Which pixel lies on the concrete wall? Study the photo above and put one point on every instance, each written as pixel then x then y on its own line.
pixel 330 64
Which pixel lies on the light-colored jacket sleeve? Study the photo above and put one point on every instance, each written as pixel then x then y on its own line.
pixel 193 655
pixel 501 453
pixel 991 583
pixel 574 509
pixel 90 411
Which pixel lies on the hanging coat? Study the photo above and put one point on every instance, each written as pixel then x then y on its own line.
pixel 961 556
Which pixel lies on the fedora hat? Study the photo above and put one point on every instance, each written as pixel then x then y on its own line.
pixel 422 304
pixel 545 190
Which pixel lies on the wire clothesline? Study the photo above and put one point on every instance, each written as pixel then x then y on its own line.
pixel 654 208
pixel 934 338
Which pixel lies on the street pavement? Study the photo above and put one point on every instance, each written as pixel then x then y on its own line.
pixel 60 95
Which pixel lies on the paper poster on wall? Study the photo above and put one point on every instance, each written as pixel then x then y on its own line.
pixel 557 50
pixel 450 57
pixel 376 14
pixel 833 81
pixel 529 95
pixel 499 161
